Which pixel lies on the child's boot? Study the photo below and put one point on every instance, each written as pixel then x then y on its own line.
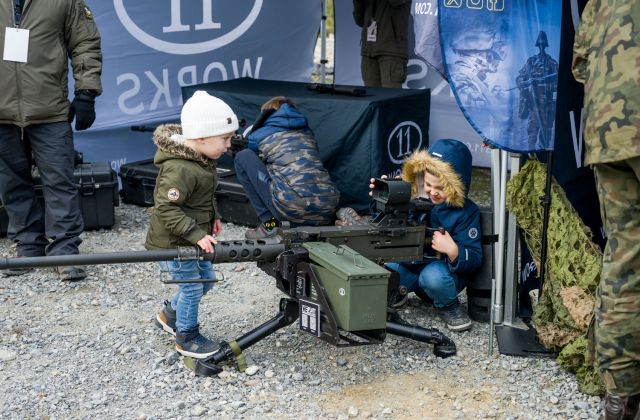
pixel 193 344
pixel 166 318
pixel 455 316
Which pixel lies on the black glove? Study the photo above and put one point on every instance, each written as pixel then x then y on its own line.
pixel 83 108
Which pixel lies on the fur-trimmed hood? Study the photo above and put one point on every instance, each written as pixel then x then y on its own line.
pixel 169 139
pixel 450 161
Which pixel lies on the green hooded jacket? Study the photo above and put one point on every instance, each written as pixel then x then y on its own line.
pixel 36 92
pixel 184 208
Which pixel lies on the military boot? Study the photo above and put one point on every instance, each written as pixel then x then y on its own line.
pixel 621 408
pixel 71 273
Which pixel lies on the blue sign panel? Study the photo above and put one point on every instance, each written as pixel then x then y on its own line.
pixel 501 59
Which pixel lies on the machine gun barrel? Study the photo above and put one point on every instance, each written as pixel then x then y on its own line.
pixel 225 252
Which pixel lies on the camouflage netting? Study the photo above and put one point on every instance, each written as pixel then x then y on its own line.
pixel 562 314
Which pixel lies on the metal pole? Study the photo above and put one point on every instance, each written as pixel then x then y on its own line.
pixel 495 186
pixel 511 272
pixel 546 200
pixel 495 199
pixel 493 298
pixel 499 299
pixel 323 42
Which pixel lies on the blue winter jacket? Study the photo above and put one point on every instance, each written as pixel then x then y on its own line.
pixel 450 161
pixel 286 118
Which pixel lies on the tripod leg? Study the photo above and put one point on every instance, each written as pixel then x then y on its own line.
pixel 209 366
pixel 442 345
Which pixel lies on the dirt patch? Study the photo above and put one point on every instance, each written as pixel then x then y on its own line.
pixel 417 396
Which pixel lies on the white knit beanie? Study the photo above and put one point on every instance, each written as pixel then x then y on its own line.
pixel 204 115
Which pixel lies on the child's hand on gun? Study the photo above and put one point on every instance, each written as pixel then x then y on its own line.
pixel 207 243
pixel 372 184
pixel 444 243
pixel 217 227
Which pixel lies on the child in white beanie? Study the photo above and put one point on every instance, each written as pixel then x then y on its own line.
pixel 184 212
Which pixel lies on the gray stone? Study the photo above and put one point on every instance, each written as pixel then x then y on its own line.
pixel 7 355
pixel 252 370
pixel 198 411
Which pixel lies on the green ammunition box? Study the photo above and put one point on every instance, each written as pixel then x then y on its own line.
pixel 355 287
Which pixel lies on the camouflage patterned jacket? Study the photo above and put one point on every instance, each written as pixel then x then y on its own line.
pixel 606 59
pixel 301 187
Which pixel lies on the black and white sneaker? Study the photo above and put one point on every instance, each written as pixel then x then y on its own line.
pixel 166 318
pixel 455 316
pixel 194 344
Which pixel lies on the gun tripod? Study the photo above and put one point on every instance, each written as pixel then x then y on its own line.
pixel 311 308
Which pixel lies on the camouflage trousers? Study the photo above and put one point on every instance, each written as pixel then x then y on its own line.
pixel 617 312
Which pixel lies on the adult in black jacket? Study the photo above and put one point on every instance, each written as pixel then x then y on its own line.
pixel 384 40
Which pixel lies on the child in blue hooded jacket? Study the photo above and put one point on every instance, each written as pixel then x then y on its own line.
pixel 443 175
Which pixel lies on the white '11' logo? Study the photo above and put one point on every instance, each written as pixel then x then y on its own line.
pixel 176 21
pixel 212 41
pixel 402 134
pixel 404 138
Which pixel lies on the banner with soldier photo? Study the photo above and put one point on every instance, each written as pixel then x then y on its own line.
pixel 501 59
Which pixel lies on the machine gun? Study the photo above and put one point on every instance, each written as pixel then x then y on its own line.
pixel 332 276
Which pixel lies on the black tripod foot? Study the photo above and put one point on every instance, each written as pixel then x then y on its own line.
pixel 202 367
pixel 443 346
pixel 446 348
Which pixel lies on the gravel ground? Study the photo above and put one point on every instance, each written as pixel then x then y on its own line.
pixel 90 349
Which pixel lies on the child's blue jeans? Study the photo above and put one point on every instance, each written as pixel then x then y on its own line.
pixel 435 279
pixel 187 300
